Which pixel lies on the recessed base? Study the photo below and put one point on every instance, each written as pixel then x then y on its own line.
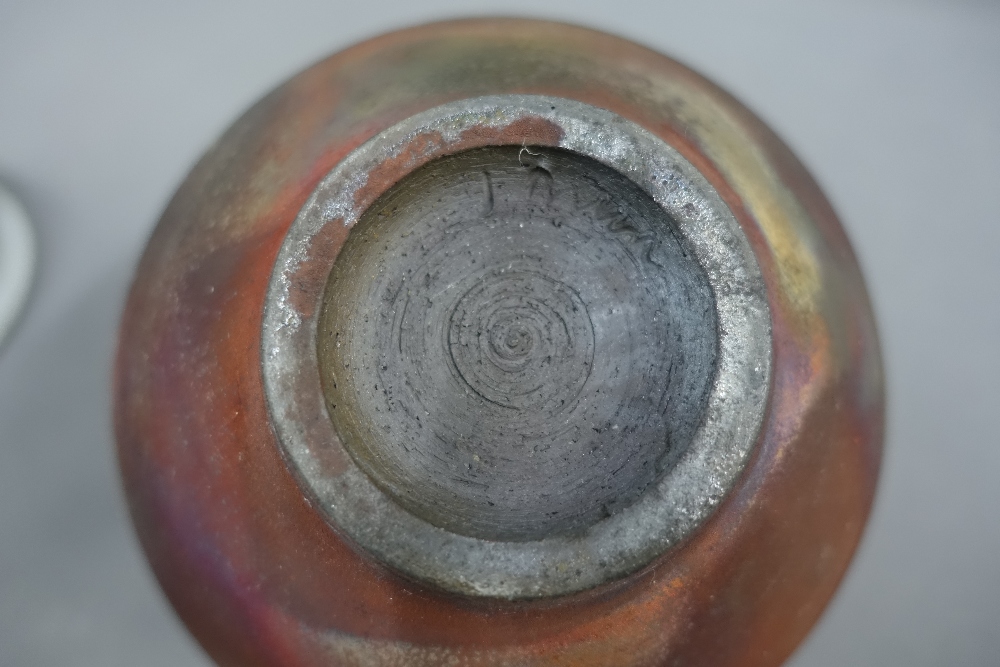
pixel 515 344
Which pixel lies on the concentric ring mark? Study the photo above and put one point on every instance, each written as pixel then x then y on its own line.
pixel 519 338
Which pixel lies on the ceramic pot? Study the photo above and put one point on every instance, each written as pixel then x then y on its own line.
pixel 499 342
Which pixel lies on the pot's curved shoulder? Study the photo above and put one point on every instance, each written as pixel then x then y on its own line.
pixel 499 342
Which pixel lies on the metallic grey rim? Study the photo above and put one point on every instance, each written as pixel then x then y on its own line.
pixel 612 547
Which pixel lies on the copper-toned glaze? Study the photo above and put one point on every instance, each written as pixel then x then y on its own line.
pixel 258 575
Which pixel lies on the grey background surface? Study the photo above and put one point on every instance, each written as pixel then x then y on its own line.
pixel 894 106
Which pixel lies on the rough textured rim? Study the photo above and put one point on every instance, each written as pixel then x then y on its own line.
pixel 613 547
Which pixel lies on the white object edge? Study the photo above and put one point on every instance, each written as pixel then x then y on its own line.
pixel 17 261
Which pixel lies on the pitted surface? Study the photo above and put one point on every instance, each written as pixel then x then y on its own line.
pixel 515 343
